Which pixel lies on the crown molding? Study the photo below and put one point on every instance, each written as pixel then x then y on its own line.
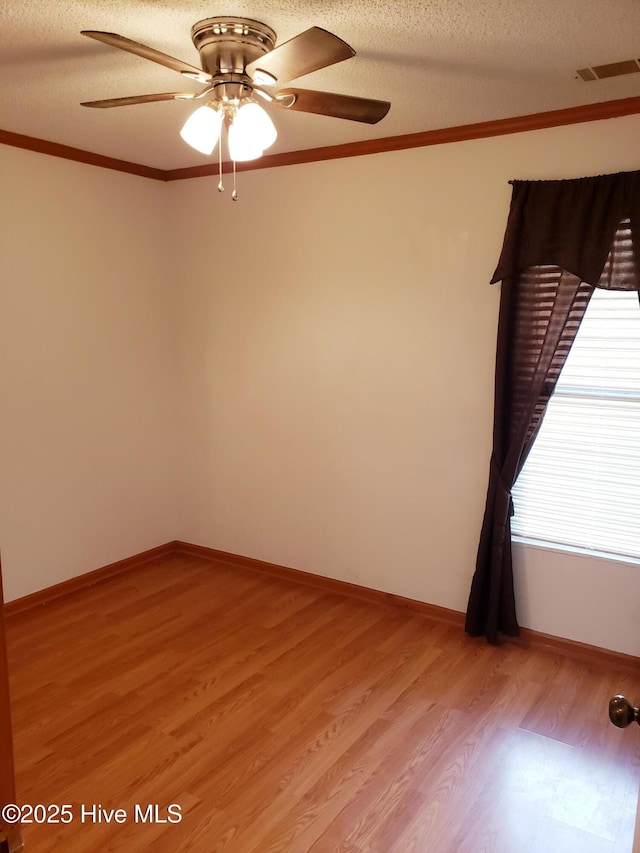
pixel 462 133
pixel 66 152
pixel 499 127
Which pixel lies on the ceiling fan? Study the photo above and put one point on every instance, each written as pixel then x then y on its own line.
pixel 240 60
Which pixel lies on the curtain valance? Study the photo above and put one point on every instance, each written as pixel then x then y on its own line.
pixel 570 224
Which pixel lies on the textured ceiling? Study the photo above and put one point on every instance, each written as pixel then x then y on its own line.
pixel 441 63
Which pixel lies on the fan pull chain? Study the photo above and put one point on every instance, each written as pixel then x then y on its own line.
pixel 220 184
pixel 234 194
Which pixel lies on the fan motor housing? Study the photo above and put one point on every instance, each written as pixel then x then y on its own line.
pixel 228 45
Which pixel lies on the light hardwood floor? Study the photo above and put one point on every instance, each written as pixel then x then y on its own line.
pixel 284 719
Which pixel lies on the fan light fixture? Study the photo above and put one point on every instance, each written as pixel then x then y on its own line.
pixel 202 129
pixel 249 131
pixel 238 57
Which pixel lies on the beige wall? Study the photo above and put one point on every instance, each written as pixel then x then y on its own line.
pixel 338 349
pixel 304 377
pixel 87 370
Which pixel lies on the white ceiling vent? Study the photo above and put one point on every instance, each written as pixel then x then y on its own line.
pixel 615 69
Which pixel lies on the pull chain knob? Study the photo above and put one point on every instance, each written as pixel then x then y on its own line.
pixel 622 713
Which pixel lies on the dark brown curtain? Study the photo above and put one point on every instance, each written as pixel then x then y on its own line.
pixel 563 239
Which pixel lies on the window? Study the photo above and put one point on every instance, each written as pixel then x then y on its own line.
pixel 580 486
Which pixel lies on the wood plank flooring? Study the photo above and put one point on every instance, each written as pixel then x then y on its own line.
pixel 284 719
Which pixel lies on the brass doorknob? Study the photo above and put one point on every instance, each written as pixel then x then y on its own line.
pixel 622 713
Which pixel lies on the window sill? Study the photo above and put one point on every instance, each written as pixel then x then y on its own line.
pixel 573 549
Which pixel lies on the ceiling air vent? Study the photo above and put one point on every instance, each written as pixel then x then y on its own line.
pixel 614 69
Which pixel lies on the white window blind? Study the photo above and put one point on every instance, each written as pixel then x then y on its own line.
pixel 580 486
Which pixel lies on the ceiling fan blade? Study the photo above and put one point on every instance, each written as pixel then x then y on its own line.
pixel 147 53
pixel 329 104
pixel 309 51
pixel 139 99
